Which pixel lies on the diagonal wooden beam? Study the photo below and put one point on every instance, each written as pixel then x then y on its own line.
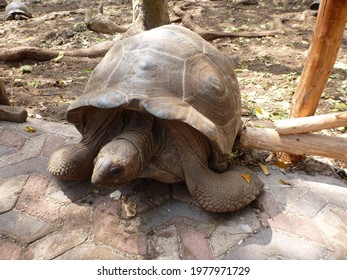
pixel 326 41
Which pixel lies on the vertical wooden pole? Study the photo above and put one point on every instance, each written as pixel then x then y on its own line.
pixel 325 44
pixel 326 41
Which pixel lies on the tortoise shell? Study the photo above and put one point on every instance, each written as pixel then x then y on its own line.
pixel 173 74
pixel 3 4
pixel 16 10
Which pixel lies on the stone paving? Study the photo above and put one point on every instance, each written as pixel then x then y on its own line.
pixel 43 218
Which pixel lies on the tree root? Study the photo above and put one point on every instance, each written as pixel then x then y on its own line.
pixel 187 21
pixel 39 54
pixel 97 22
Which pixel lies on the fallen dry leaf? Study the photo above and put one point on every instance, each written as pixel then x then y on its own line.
pixel 281 164
pixel 246 177
pixel 130 209
pixel 264 168
pixel 284 182
pixel 59 57
pixel 30 129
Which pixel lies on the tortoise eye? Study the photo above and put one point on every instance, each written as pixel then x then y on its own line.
pixel 115 171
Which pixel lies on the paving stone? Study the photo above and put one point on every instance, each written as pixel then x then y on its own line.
pixel 12 139
pixel 91 251
pixel 74 232
pixel 20 128
pixel 342 215
pixel 31 149
pixel 308 205
pixel 195 245
pixel 9 192
pixel 55 244
pixel 166 244
pixel 300 226
pixel 53 143
pixel 109 229
pixel 78 216
pixel 334 229
pixel 66 130
pixel 9 250
pixel 33 200
pixel 181 192
pixel 227 235
pixel 37 165
pixel 333 190
pixel 269 207
pixel 283 194
pixel 146 194
pixel 67 192
pixel 271 244
pixel 4 150
pixel 22 227
pixel 174 210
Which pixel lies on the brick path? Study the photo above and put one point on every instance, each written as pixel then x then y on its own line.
pixel 43 218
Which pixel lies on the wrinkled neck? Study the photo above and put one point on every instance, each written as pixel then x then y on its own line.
pixel 101 126
pixel 139 132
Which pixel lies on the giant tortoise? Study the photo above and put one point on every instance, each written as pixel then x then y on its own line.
pixel 163 104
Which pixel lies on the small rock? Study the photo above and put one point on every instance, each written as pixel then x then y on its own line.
pixel 116 195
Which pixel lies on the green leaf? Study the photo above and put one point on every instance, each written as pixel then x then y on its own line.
pixel 87 70
pixel 261 114
pixel 341 106
pixel 18 82
pixel 34 84
pixel 26 69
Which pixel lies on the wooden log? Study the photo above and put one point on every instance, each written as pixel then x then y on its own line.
pixel 35 53
pixel 298 144
pixel 12 114
pixel 312 123
pixel 326 41
pixel 3 95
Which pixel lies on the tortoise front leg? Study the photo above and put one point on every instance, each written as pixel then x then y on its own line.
pixel 221 192
pixel 216 192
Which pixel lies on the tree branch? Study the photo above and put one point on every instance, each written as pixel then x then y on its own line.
pixel 187 21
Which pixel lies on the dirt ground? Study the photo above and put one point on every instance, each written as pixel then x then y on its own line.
pixel 268 68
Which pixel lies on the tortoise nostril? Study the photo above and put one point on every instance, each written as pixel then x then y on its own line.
pixel 102 166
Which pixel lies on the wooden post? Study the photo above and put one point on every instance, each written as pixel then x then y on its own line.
pixel 326 41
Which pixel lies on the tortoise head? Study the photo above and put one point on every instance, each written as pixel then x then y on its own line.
pixel 117 163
